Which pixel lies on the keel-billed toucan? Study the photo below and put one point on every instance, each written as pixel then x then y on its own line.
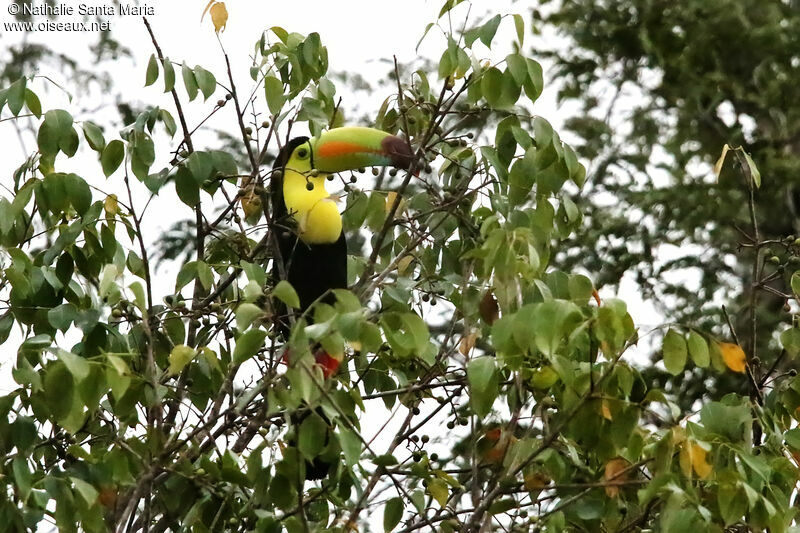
pixel 312 245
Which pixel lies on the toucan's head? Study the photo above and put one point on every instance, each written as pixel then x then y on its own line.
pixel 306 163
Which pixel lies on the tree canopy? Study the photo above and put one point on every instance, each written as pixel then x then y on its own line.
pixel 139 409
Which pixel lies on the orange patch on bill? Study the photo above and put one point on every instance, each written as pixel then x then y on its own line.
pixel 338 148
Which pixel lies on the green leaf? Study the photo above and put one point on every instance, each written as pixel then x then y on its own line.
pixel 732 502
pixel 698 349
pixel 519 24
pixel 69 142
pixel 205 275
pixel 77 365
pixel 189 82
pixel 186 187
pixel 351 446
pixel 675 352
pixel 112 156
pixel 201 165
pixel 795 283
pixel 169 75
pixel 483 383
pixel 94 136
pixel 535 84
pixel 117 375
pixel 22 476
pixel 284 292
pixel 489 29
pixel 33 103
pixel 552 321
pixel 437 488
pixel 521 179
pixel 392 514
pixel 59 390
pixel 248 345
pixel 6 323
pixel 790 340
pixel 792 438
pixel 751 165
pixel 56 126
pixel 386 460
pixel 448 5
pixel 273 89
pixel 86 490
pixel 16 96
pixel 205 81
pixel 169 122
pixel 152 71
pixel 78 193
pixel 492 86
pixel 313 436
pixel 418 330
pixel 424 33
pixel 186 274
pixel 502 506
pixel 61 317
pixel 246 313
pixel 179 357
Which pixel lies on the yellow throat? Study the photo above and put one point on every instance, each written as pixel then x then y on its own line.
pixel 314 210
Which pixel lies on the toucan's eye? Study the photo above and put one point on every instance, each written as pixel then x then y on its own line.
pixel 302 153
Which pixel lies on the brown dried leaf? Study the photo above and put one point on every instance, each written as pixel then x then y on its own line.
pixel 467 343
pixel 488 308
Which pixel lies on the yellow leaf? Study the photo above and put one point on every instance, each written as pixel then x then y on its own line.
pixel 733 355
pixel 699 462
pixel 354 345
pixel 180 356
pixel 614 473
pixel 111 205
pixel 403 264
pixel 438 489
pixel 605 410
pixel 251 203
pixel 693 457
pixel 535 481
pixel 721 161
pixel 391 197
pixel 219 16
pixel 211 357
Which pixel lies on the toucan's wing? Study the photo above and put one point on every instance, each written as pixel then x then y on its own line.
pixel 314 270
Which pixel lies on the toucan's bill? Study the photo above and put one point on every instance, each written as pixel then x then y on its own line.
pixel 342 149
pixel 337 150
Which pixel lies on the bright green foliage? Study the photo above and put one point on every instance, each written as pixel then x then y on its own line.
pixel 192 407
